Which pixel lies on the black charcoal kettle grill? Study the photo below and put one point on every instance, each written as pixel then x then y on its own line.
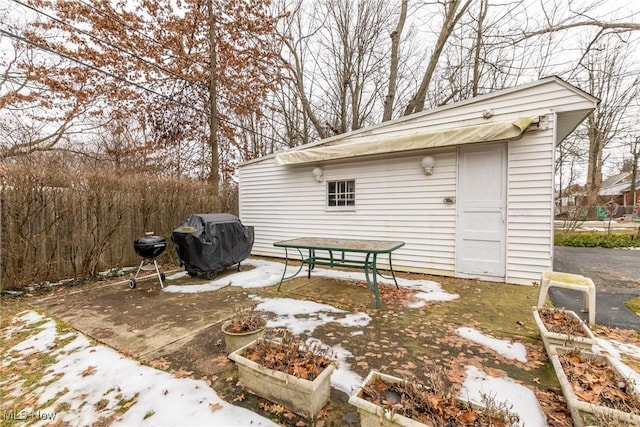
pixel 149 247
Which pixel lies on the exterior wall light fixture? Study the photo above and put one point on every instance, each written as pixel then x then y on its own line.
pixel 427 164
pixel 317 173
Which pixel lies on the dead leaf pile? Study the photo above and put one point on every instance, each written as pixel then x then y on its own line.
pixel 182 373
pixel 160 363
pixel 90 370
pixel 290 355
pixel 389 294
pixel 434 405
pixel 554 407
pixel 277 410
pixel 561 322
pixel 594 381
pixel 245 319
pixel 627 336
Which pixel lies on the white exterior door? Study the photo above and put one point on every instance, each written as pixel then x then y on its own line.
pixel 481 208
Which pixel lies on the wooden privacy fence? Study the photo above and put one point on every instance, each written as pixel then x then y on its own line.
pixel 87 224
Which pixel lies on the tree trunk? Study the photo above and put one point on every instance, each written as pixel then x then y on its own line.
pixel 304 100
pixel 484 5
pixel 635 152
pixel 214 173
pixel 393 66
pixel 594 162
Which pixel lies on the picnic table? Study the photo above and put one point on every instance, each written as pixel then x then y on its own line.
pixel 334 254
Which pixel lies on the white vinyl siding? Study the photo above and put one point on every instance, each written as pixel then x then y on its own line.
pixel 396 201
pixel 529 201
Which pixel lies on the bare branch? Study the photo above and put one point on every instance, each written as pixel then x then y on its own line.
pixel 618 26
pixel 453 12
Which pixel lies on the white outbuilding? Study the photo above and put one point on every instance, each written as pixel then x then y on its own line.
pixel 469 187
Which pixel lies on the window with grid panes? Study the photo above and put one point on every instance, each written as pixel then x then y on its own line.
pixel 341 194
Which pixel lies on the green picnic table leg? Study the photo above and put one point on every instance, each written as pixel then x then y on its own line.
pixel 375 280
pixel 393 274
pixel 286 262
pixel 372 283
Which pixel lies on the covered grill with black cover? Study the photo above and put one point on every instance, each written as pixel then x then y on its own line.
pixel 207 243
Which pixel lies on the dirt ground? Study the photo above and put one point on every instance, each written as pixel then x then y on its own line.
pixel 181 333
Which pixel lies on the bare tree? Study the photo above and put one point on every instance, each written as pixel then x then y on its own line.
pixel 587 22
pixel 603 71
pixel 295 128
pixel 479 58
pixel 203 62
pixel 634 149
pixel 356 54
pixel 453 11
pixel 27 129
pixel 298 30
pixel 569 155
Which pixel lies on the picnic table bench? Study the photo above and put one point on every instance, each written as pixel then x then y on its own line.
pixel 334 254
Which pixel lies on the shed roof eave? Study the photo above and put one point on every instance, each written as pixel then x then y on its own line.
pixel 257 160
pixel 564 131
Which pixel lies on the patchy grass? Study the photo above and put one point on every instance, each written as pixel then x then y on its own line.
pixel 633 304
pixel 22 375
pixel 101 404
pixel 125 404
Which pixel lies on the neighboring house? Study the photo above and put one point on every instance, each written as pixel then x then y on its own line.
pixel 618 189
pixel 570 200
pixel 469 187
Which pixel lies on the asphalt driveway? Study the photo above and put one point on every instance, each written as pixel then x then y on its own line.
pixel 616 273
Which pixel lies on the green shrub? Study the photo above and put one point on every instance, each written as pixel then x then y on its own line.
pixel 597 239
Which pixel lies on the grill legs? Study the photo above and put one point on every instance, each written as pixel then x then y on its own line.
pixel 161 276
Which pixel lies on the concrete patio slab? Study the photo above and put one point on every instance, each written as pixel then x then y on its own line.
pixel 142 320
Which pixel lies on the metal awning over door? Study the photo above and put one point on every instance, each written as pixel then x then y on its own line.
pixel 495 131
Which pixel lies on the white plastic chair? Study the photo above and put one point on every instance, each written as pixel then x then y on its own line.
pixel 570 281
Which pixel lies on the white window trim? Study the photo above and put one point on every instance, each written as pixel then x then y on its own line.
pixel 340 208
